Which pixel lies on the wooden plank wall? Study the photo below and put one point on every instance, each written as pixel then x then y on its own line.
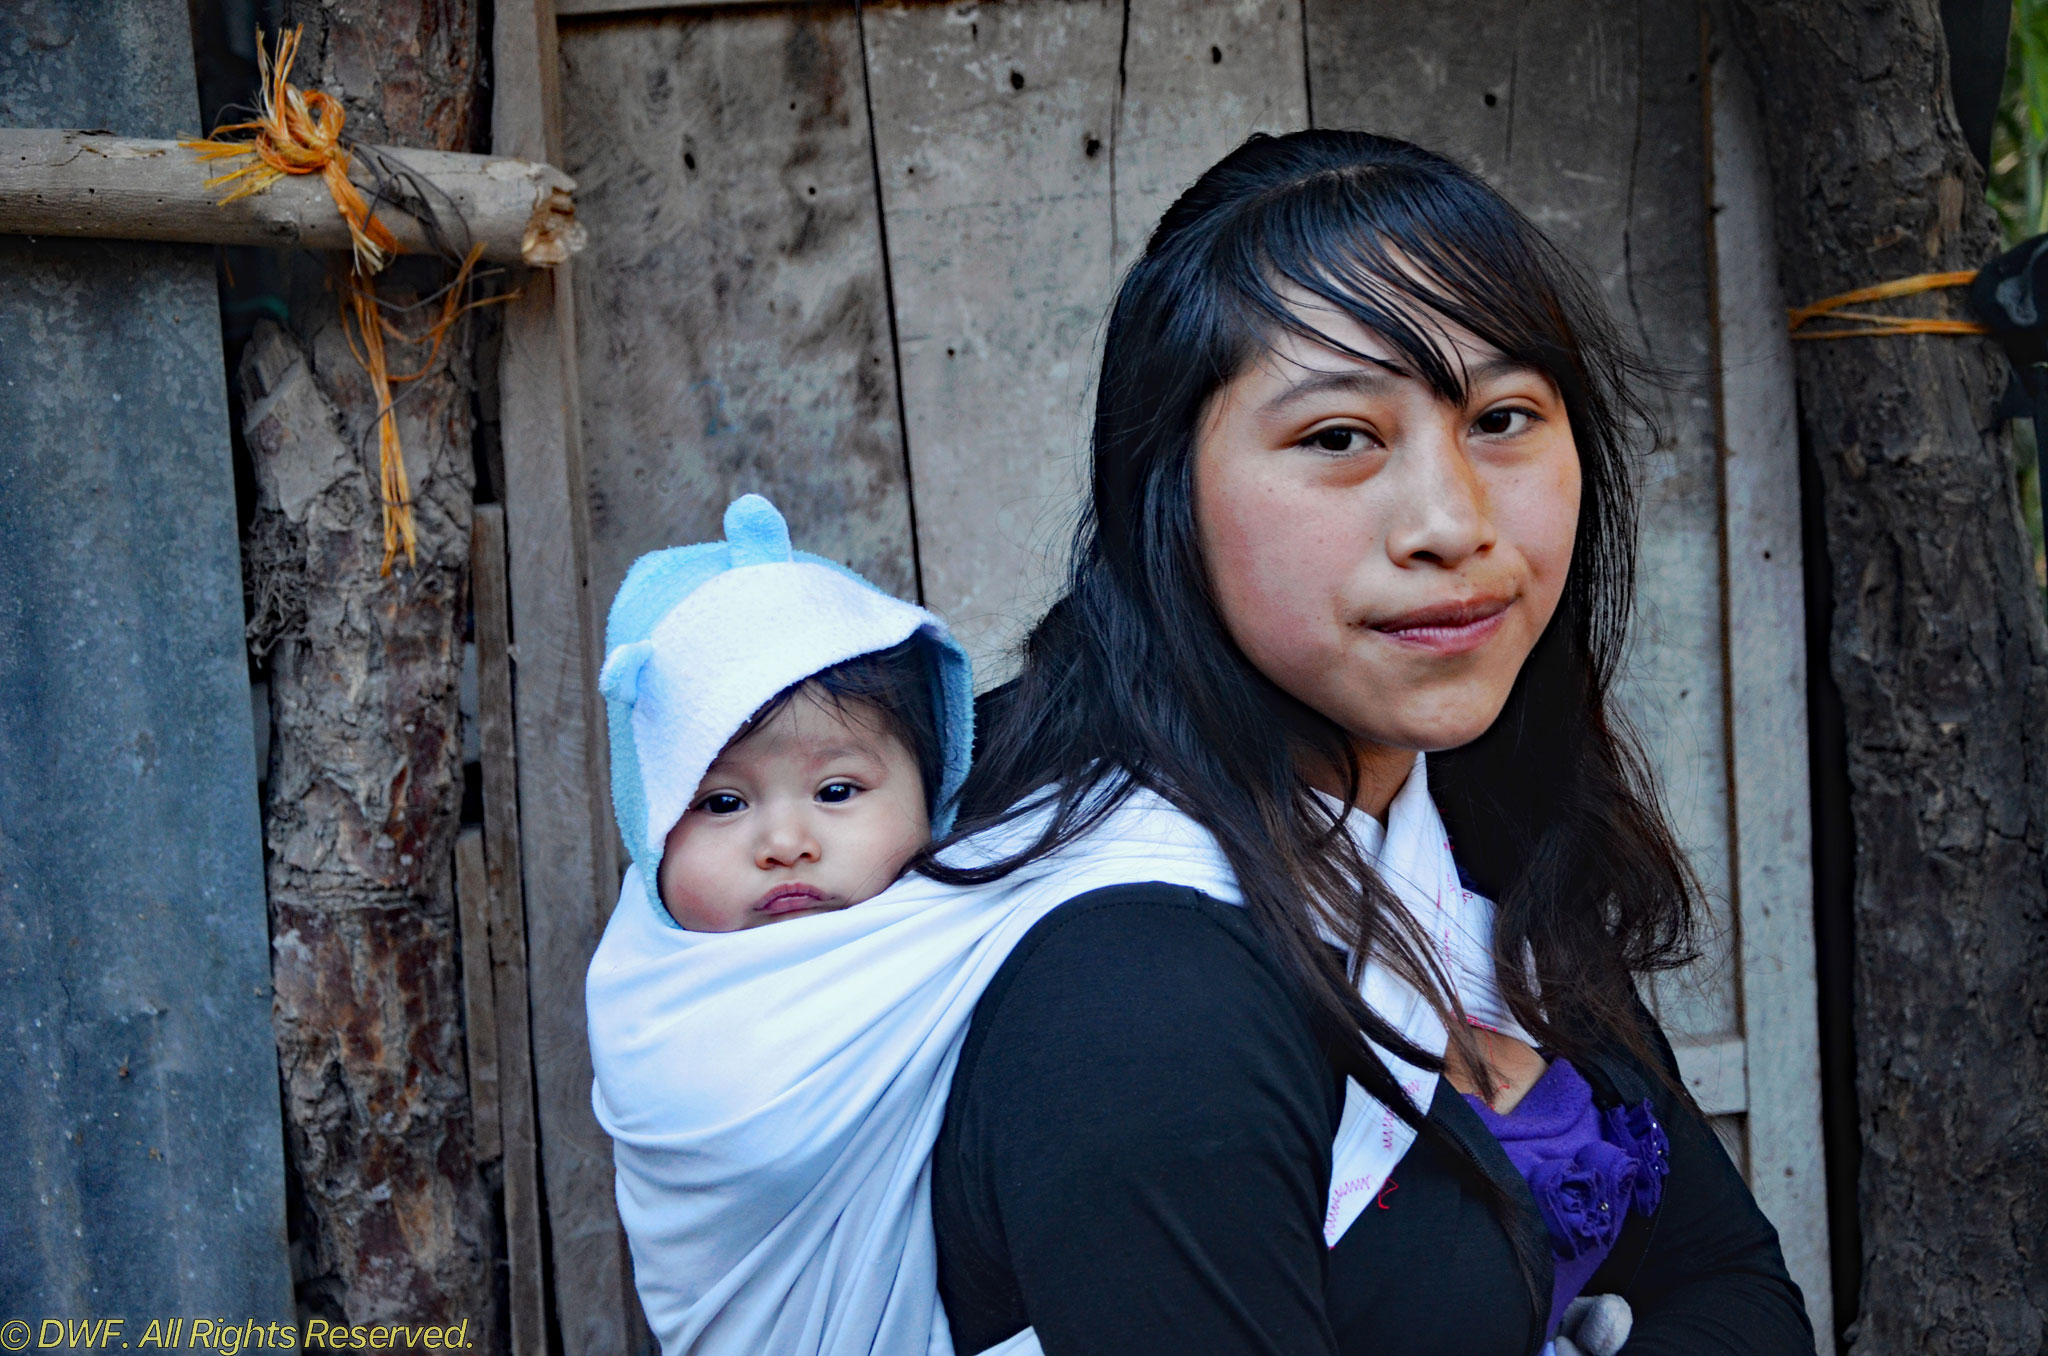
pixel 859 259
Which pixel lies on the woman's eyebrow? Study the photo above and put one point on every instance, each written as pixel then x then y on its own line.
pixel 1500 366
pixel 1373 380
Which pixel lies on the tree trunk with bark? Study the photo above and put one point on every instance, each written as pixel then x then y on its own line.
pixel 1941 658
pixel 364 797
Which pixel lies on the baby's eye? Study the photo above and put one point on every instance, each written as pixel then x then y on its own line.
pixel 1338 440
pixel 1498 423
pixel 721 803
pixel 835 793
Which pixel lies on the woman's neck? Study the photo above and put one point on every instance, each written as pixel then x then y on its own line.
pixel 1382 772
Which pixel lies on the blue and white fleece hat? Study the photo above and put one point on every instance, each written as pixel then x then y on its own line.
pixel 699 637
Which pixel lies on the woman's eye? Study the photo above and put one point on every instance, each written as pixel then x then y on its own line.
pixel 1498 423
pixel 835 793
pixel 721 803
pixel 1337 440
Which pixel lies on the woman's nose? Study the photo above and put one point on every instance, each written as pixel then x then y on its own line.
pixel 786 840
pixel 1441 515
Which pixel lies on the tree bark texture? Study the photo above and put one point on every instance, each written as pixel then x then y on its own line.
pixel 364 798
pixel 1939 651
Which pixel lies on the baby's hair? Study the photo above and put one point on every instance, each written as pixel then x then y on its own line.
pixel 895 684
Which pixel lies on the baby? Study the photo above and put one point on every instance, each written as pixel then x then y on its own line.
pixel 785 736
pixel 815 804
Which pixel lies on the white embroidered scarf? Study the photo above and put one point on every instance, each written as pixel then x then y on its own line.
pixel 774 1095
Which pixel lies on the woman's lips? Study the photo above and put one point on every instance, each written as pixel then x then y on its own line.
pixel 1447 628
pixel 792 899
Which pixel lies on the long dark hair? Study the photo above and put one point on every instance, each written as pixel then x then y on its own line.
pixel 1131 679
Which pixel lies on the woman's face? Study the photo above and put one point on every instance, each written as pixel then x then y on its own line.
pixel 1385 557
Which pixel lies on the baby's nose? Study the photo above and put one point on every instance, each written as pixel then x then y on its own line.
pixel 787 841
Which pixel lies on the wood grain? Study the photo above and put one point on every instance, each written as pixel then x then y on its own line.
pixel 733 321
pixel 1024 152
pixel 568 851
pixel 1767 735
pixel 479 999
pixel 1198 78
pixel 992 128
pixel 506 905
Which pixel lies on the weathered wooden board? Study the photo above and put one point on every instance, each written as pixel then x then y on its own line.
pixel 1767 698
pixel 1587 116
pixel 479 1000
pixel 1198 78
pixel 567 853
pixel 506 904
pixel 732 313
pixel 1024 151
pixel 993 127
pixel 144 1169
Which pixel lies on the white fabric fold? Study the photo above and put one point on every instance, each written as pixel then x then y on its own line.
pixel 774 1095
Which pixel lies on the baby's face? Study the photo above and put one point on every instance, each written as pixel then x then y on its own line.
pixel 813 810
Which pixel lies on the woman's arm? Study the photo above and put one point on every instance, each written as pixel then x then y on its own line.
pixel 1136 1152
pixel 1712 1278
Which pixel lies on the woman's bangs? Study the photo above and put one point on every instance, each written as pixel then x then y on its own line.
pixel 1402 263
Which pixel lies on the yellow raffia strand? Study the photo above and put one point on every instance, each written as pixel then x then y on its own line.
pixel 366 341
pixel 299 132
pixel 1869 323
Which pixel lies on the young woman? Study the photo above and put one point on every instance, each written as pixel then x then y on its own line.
pixel 1360 493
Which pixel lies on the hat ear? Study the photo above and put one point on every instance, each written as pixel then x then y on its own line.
pixel 755 532
pixel 620 678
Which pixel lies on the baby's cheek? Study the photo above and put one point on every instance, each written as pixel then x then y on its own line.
pixel 691 876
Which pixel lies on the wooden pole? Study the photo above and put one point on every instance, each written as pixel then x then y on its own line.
pixel 56 182
pixel 364 797
pixel 1939 653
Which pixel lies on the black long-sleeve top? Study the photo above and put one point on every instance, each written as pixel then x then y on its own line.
pixel 1136 1155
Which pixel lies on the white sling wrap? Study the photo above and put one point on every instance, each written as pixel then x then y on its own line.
pixel 774 1094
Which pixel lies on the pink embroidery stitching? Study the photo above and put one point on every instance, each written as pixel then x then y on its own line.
pixel 1350 1188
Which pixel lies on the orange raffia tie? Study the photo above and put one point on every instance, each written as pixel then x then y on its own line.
pixel 297 132
pixel 1870 323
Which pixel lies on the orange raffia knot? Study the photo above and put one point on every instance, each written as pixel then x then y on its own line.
pixel 298 132
pixel 1870 323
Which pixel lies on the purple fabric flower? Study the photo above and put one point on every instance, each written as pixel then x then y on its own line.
pixel 1585 1197
pixel 1636 1129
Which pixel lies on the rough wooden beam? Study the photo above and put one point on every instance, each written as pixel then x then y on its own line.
pixel 56 182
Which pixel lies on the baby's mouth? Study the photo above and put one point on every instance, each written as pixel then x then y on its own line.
pixel 792 899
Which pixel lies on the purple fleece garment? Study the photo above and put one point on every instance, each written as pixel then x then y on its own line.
pixel 1582 1184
